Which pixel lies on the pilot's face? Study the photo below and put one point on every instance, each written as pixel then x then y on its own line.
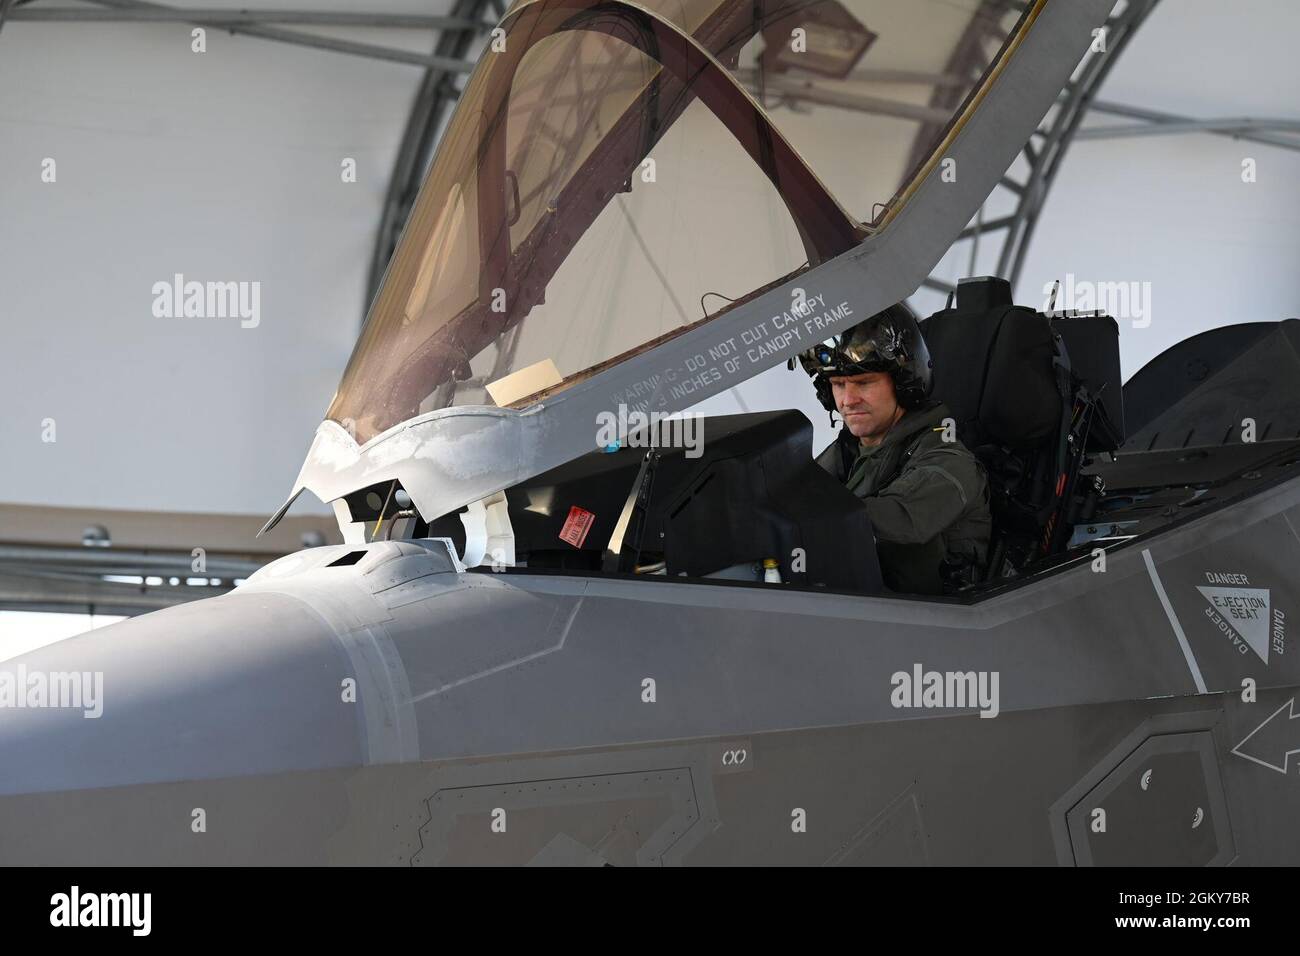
pixel 867 404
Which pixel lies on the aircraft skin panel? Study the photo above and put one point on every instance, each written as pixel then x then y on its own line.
pixel 934 792
pixel 239 706
pixel 786 658
pixel 211 688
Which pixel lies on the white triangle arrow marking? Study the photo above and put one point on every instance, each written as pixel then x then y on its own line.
pixel 1246 610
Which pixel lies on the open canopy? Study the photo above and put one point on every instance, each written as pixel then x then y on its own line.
pixel 610 180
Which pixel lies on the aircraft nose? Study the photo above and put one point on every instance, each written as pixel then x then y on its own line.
pixel 234 685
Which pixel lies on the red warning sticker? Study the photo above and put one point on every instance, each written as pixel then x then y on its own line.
pixel 576 526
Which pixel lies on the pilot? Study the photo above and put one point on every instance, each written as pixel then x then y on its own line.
pixel 926 494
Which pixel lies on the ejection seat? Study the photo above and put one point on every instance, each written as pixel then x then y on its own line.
pixel 1027 413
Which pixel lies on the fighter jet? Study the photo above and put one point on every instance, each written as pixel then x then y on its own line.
pixel 567 627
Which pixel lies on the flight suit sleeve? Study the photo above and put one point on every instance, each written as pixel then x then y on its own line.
pixel 930 495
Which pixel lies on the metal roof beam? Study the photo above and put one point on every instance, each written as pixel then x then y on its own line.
pixel 1161 123
pixel 1231 126
pixel 311 40
pixel 228 18
pixel 1044 150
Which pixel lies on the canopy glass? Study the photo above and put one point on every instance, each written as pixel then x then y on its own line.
pixel 609 179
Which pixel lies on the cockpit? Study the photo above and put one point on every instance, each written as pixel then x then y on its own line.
pixel 634 207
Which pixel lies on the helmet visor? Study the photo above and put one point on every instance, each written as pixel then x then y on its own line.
pixel 876 350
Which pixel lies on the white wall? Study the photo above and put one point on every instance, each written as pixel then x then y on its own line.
pixel 221 166
pixel 24 631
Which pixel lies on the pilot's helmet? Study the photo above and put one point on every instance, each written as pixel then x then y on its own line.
pixel 890 341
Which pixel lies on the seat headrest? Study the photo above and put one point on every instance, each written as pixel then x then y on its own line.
pixel 994 369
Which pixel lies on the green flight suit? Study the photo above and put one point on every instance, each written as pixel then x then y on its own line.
pixel 928 500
